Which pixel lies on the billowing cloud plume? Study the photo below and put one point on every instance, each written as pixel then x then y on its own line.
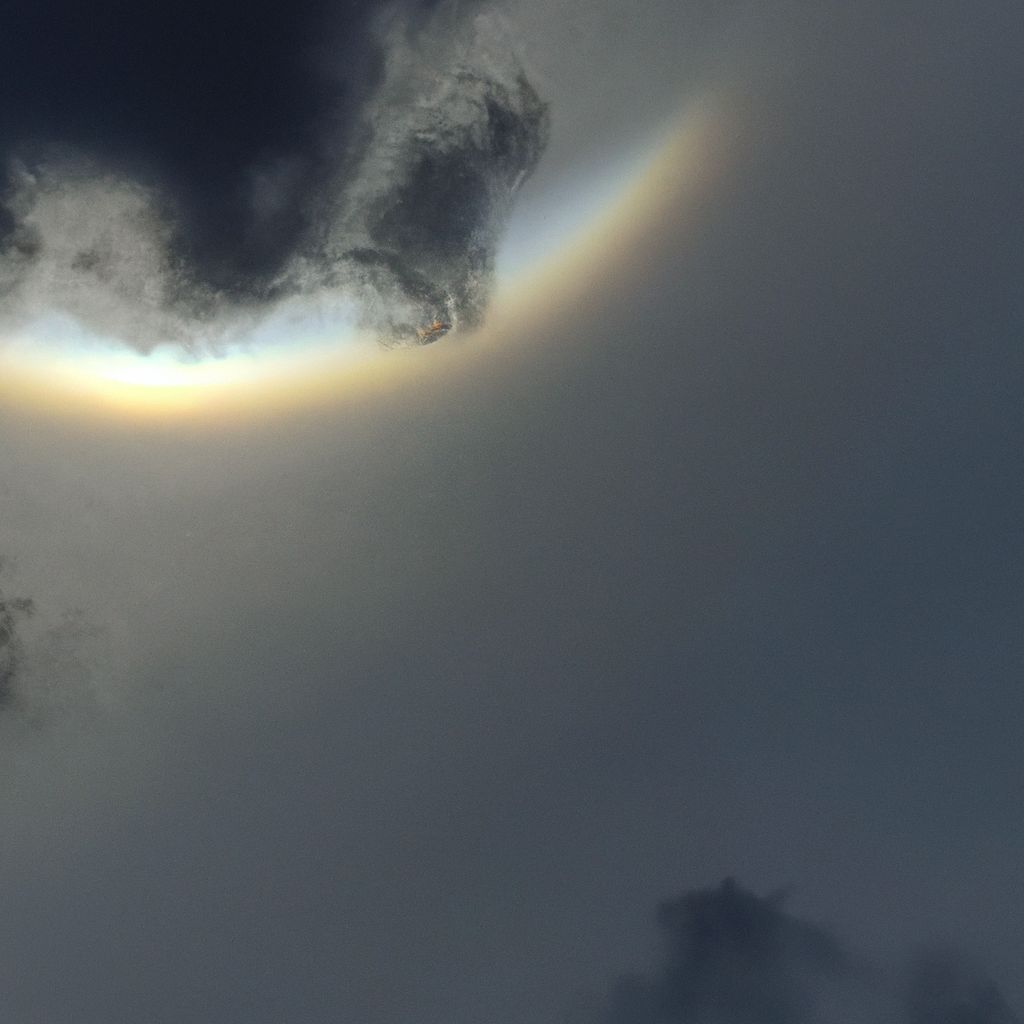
pixel 732 957
pixel 170 172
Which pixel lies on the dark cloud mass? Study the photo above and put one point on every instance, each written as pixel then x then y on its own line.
pixel 419 232
pixel 730 956
pixel 166 167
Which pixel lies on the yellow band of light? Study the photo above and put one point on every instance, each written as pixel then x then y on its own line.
pixel 125 384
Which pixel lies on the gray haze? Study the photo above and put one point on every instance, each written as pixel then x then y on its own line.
pixel 413 708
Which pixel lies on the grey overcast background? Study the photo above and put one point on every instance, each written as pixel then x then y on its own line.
pixel 413 708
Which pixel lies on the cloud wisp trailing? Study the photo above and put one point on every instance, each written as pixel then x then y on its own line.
pixel 13 610
pixel 50 671
pixel 170 174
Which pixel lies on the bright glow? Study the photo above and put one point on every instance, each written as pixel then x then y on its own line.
pixel 541 223
pixel 300 354
pixel 158 371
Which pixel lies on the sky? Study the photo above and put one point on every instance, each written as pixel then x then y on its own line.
pixel 646 649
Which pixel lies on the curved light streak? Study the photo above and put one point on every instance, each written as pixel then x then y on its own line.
pixel 294 359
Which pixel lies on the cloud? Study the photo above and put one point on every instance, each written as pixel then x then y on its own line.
pixel 437 186
pixel 730 956
pixel 185 172
pixel 54 670
pixel 944 987
pixel 13 610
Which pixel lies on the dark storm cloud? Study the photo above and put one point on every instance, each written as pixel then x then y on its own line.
pixel 730 956
pixel 166 163
pixel 432 227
